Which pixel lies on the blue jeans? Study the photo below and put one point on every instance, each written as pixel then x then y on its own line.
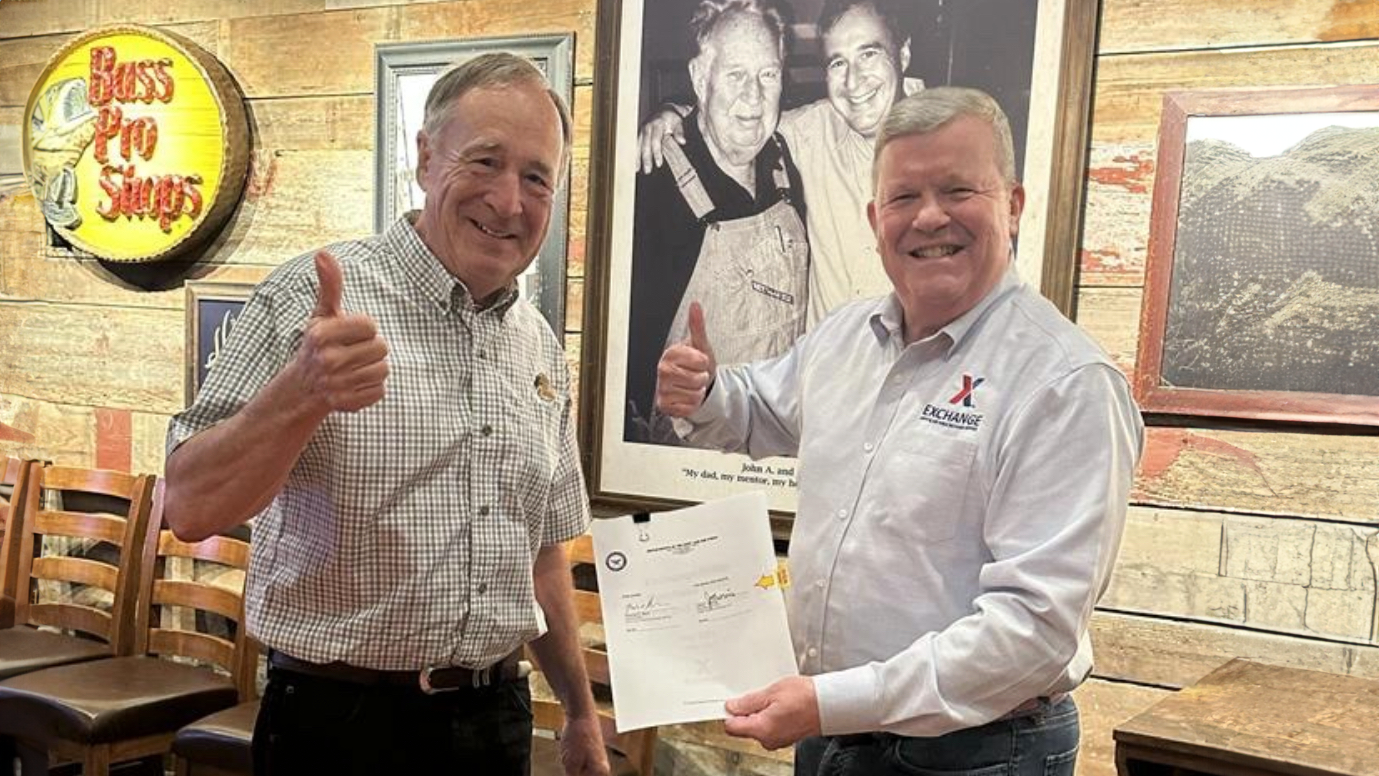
pixel 1042 742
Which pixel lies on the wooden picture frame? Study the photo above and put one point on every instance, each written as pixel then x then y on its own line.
pixel 1035 56
pixel 403 73
pixel 1262 278
pixel 212 307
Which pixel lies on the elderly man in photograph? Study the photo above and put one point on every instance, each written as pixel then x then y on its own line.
pixel 866 51
pixel 723 221
pixel 399 420
pixel 965 456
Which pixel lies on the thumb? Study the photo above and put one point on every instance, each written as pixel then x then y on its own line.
pixel 698 335
pixel 748 704
pixel 332 286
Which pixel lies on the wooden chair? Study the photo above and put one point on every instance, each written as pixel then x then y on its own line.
pixel 628 753
pixel 129 707
pixel 87 632
pixel 14 478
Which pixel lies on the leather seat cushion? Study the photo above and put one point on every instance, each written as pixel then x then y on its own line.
pixel 24 649
pixel 221 740
pixel 545 760
pixel 110 700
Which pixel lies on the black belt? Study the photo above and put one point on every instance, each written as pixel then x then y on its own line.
pixel 432 679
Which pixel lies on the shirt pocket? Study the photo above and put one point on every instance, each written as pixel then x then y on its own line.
pixel 922 483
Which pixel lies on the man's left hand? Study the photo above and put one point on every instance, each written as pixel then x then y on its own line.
pixel 581 748
pixel 777 716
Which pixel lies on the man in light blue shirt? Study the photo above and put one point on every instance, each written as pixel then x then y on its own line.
pixel 966 456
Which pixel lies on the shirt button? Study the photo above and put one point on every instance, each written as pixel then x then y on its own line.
pixel 482 588
pixel 842 513
pixel 821 584
pixel 483 355
pixel 483 511
pixel 812 652
pixel 487 430
pixel 868 447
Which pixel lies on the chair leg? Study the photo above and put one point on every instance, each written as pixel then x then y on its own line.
pixel 32 760
pixel 96 761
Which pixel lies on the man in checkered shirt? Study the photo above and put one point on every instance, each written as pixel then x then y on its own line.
pixel 399 421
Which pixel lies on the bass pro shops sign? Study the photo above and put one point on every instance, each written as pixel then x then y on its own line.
pixel 135 144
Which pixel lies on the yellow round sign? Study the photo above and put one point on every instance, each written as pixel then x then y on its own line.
pixel 135 143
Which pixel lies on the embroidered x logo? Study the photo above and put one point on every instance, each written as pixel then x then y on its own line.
pixel 969 384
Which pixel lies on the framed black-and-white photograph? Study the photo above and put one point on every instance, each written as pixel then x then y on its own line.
pixel 212 307
pixel 403 74
pixel 777 147
pixel 1262 281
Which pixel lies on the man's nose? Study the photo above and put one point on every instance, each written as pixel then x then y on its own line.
pixel 930 216
pixel 505 195
pixel 852 78
pixel 753 90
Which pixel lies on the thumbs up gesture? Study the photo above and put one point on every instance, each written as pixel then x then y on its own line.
pixel 686 370
pixel 342 361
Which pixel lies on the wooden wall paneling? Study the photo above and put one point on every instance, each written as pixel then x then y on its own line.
pixel 1129 89
pixel 45 17
pixel 25 58
pixel 1111 316
pixel 1174 654
pixel 1115 236
pixel 62 432
pixel 122 358
pixel 32 276
pixel 1102 706
pixel 259 49
pixel 1159 25
pixel 1328 476
pixel 39 17
pixel 149 439
pixel 313 123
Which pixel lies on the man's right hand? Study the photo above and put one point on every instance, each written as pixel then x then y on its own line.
pixel 668 122
pixel 686 370
pixel 342 362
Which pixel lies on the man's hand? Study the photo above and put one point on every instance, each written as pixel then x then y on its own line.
pixel 342 361
pixel 668 122
pixel 777 716
pixel 581 748
pixel 686 370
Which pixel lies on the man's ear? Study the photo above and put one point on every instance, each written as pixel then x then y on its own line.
pixel 1017 206
pixel 423 157
pixel 699 76
pixel 871 219
pixel 904 56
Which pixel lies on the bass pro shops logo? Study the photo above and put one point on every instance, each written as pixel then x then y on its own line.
pixel 959 413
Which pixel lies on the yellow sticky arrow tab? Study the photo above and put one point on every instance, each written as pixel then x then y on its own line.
pixel 766 582
pixel 783 574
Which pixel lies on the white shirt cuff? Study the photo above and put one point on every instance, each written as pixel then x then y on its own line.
pixel 849 701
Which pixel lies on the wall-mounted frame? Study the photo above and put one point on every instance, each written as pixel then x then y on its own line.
pixel 1035 56
pixel 403 74
pixel 1262 282
pixel 212 307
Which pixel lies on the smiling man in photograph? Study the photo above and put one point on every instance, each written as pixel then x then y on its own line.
pixel 965 461
pixel 398 418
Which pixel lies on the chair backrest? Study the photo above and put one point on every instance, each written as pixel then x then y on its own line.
pixel 215 589
pixel 114 572
pixel 638 746
pixel 14 479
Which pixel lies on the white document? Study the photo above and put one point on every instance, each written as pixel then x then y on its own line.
pixel 692 610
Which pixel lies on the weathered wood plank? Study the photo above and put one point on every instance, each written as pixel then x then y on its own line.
pixel 1102 706
pixel 27 17
pixel 1115 237
pixel 1156 25
pixel 150 434
pixel 29 275
pixel 264 52
pixel 1309 475
pixel 92 356
pixel 62 433
pixel 25 58
pixel 1129 89
pixel 1163 652
pixel 314 123
pixel 574 305
pixel 1112 317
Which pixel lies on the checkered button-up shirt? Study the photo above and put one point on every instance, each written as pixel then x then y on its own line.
pixel 405 534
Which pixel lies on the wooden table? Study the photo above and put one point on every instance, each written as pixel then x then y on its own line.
pixel 1253 719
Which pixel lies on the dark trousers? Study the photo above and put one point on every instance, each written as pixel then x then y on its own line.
pixel 1042 742
pixel 311 724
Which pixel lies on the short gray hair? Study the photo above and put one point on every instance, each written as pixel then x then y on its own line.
pixel 709 15
pixel 929 109
pixel 498 69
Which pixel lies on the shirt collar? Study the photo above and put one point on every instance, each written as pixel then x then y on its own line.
pixel 425 269
pixel 887 322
